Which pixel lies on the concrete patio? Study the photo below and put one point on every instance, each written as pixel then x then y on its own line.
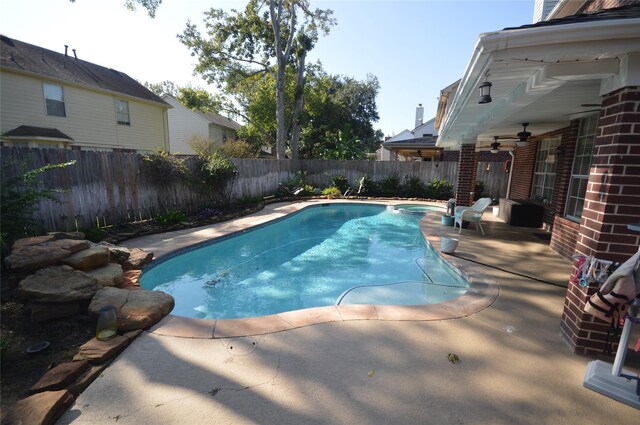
pixel 513 366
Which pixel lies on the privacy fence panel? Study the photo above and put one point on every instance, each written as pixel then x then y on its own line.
pixel 104 188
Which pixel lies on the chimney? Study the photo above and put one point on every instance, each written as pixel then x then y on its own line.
pixel 419 115
pixel 74 54
pixel 66 49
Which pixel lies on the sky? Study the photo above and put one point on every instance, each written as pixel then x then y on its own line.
pixel 415 48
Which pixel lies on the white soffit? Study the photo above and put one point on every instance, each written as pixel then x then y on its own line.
pixel 540 75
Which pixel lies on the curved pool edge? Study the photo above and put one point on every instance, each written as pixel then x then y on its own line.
pixel 482 293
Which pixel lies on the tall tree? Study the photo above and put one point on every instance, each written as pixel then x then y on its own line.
pixel 242 45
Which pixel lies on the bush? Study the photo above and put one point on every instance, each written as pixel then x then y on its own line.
pixel 215 174
pixel 332 191
pixel 414 188
pixel 19 198
pixel 390 186
pixel 341 183
pixel 295 186
pixel 239 149
pixel 171 217
pixel 439 189
pixel 95 234
pixel 162 168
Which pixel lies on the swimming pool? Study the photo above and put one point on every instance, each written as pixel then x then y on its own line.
pixel 321 255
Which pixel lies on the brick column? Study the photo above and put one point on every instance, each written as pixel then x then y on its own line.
pixel 467 169
pixel 612 201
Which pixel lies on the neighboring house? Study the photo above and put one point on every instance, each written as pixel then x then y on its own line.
pixel 575 79
pixel 186 124
pixel 418 143
pixel 55 99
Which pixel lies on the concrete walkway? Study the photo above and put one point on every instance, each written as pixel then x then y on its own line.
pixel 513 366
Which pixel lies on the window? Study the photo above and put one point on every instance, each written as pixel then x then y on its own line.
pixel 544 174
pixel 122 112
pixel 581 166
pixel 54 100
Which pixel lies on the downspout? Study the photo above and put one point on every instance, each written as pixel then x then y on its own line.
pixel 513 161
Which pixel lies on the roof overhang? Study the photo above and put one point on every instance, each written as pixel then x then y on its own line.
pixel 545 76
pixel 422 147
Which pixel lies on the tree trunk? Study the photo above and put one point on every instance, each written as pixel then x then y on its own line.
pixel 299 104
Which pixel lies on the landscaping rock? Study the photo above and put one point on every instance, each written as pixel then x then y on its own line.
pixel 33 254
pixel 88 259
pixel 134 309
pixel 97 352
pixel 41 409
pixel 67 235
pixel 60 376
pixel 61 284
pixel 131 278
pixel 137 260
pixel 84 380
pixel 42 312
pixel 108 275
pixel 117 253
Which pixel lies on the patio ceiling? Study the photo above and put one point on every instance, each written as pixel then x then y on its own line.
pixel 545 76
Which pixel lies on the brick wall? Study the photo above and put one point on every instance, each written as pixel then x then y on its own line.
pixel 564 236
pixel 466 175
pixel 612 201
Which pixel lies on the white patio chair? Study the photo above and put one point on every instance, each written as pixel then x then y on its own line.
pixel 472 213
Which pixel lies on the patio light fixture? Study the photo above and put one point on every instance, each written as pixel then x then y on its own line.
pixel 485 90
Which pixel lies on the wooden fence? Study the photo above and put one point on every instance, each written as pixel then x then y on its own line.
pixel 104 188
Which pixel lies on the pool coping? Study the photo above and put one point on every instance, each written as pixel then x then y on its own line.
pixel 482 293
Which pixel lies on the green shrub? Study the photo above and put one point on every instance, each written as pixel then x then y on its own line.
pixel 332 191
pixel 163 169
pixel 390 186
pixel 439 189
pixel 295 186
pixel 19 198
pixel 5 346
pixel 215 174
pixel 414 188
pixel 95 234
pixel 341 183
pixel 171 217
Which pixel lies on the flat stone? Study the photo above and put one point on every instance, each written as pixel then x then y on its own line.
pixel 60 376
pixel 84 380
pixel 108 275
pixel 131 278
pixel 35 240
pixel 117 253
pixel 67 235
pixel 137 260
pixel 40 409
pixel 42 312
pixel 88 259
pixel 96 351
pixel 132 334
pixel 26 256
pixel 134 309
pixel 61 284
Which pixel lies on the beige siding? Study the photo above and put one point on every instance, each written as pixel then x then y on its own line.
pixel 90 119
pixel 218 134
pixel 183 125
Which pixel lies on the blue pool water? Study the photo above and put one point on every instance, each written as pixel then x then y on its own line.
pixel 418 209
pixel 360 254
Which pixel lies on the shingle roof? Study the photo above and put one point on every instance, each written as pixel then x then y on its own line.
pixel 623 12
pixel 26 57
pixel 219 119
pixel 31 131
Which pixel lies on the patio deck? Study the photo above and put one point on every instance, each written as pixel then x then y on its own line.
pixel 514 366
